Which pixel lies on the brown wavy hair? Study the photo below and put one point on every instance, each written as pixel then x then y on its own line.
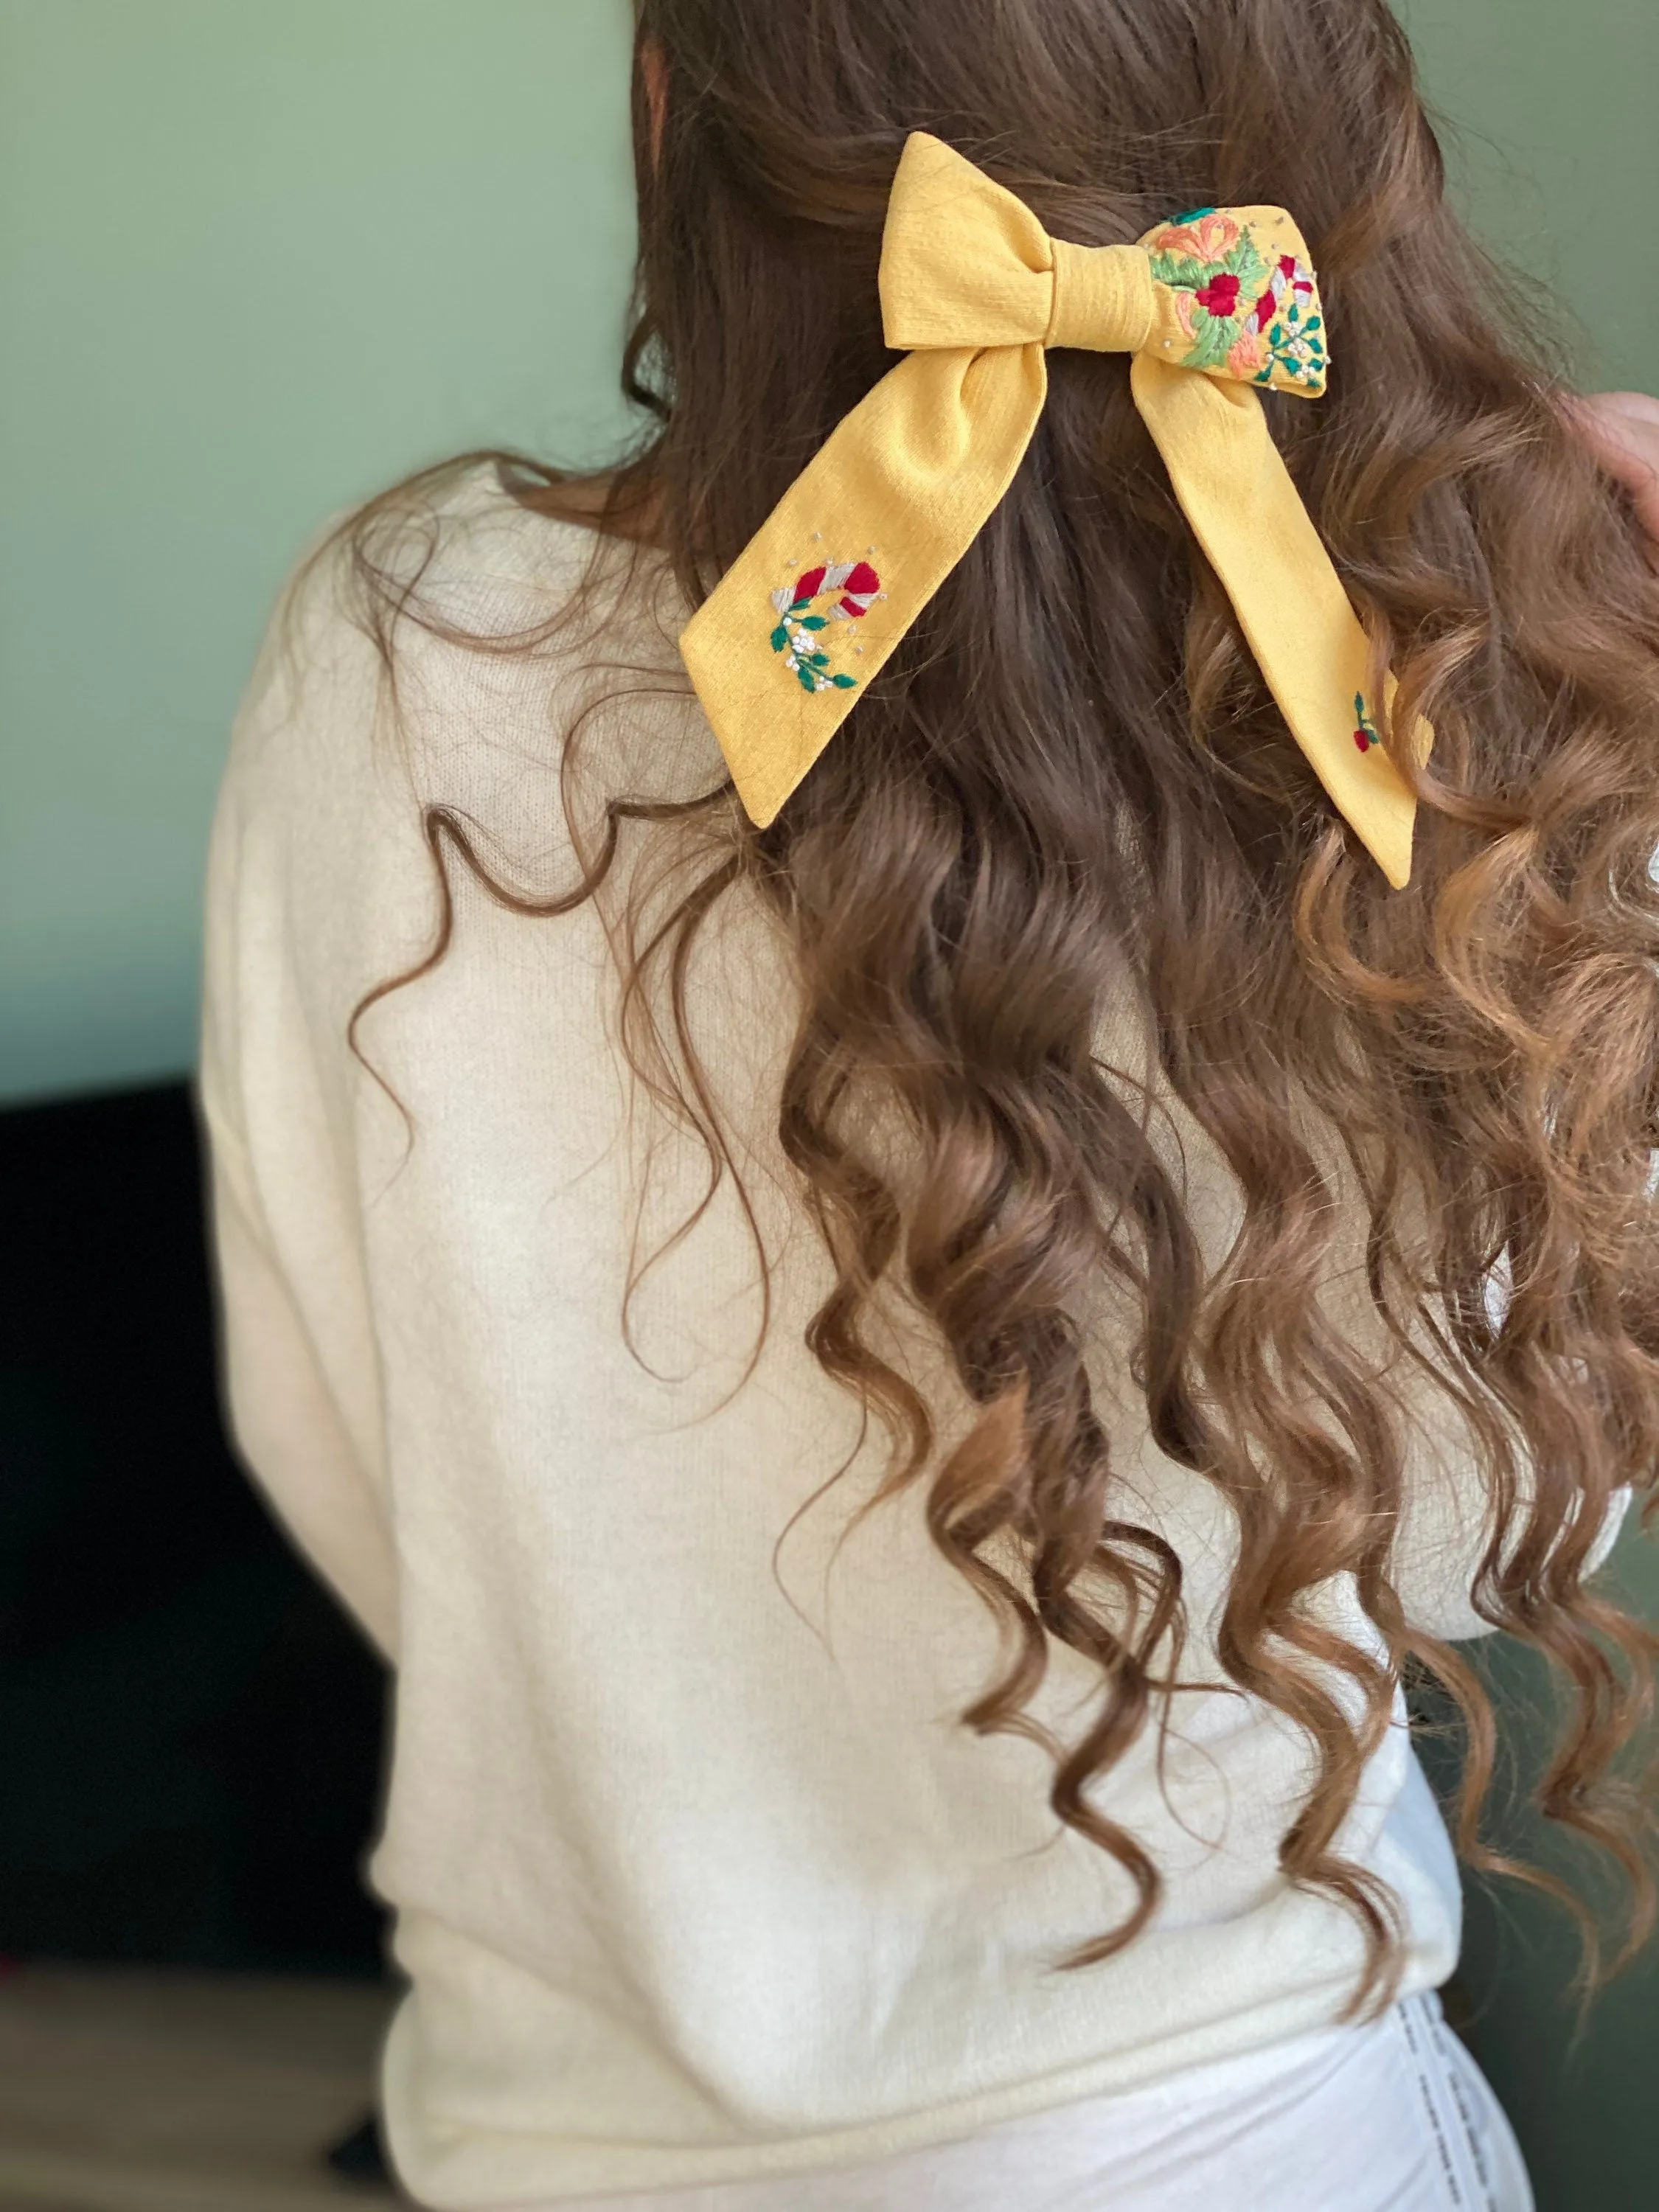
pixel 1069 774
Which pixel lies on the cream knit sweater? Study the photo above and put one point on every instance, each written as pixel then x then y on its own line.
pixel 696 1874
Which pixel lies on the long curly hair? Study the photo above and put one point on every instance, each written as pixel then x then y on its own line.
pixel 1069 783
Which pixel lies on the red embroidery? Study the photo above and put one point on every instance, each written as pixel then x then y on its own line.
pixel 802 634
pixel 1249 313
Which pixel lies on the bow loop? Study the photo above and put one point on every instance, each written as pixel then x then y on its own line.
pixel 1239 299
pixel 963 263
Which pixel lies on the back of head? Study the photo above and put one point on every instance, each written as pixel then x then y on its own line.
pixel 1070 781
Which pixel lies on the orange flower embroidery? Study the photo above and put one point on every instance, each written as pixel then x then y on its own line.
pixel 1209 237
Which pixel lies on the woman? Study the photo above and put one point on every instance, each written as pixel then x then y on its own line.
pixel 902 1387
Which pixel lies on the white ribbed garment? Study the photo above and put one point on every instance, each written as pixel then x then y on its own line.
pixel 697 1878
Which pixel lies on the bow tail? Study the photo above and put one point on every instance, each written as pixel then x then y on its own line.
pixel 1248 515
pixel 900 491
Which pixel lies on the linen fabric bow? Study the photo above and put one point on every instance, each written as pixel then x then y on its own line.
pixel 1211 306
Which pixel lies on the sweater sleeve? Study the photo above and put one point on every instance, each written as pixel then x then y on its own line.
pixel 286 1425
pixel 299 1366
pixel 321 888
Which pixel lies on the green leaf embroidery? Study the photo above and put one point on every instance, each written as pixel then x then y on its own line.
pixel 797 635
pixel 1245 262
pixel 1213 338
pixel 1181 272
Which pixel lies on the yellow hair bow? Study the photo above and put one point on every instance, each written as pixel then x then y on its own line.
pixel 973 291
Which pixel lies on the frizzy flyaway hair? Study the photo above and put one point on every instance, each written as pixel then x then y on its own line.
pixel 1070 770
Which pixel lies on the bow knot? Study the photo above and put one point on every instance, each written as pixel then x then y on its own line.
pixel 1105 299
pixel 1212 308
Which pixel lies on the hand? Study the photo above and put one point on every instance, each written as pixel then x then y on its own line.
pixel 1623 429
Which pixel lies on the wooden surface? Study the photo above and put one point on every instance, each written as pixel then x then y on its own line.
pixel 137 2091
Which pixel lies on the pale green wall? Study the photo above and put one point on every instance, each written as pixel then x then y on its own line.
pixel 256 256
pixel 257 259
pixel 1553 106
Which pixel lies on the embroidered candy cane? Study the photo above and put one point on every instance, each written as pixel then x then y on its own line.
pixel 798 635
